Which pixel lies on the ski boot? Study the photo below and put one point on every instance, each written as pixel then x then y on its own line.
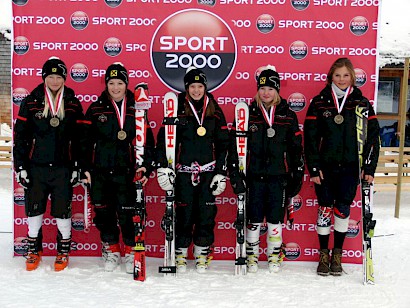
pixel 129 259
pixel 323 267
pixel 274 262
pixel 202 258
pixel 111 255
pixel 252 257
pixel 63 249
pixel 34 252
pixel 180 259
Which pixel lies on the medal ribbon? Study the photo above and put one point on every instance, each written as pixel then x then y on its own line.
pixel 206 101
pixel 59 99
pixel 120 114
pixel 270 119
pixel 336 101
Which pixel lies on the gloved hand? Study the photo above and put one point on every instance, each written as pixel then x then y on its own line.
pixel 218 184
pixel 295 183
pixel 22 178
pixel 238 183
pixel 75 177
pixel 166 178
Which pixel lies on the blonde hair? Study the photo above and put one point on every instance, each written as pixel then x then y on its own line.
pixel 276 100
pixel 60 112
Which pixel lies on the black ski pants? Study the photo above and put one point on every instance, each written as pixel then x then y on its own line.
pixel 195 211
pixel 266 199
pixel 53 181
pixel 113 196
pixel 338 188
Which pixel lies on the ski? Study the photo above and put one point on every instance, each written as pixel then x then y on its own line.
pixel 368 223
pixel 241 120
pixel 142 103
pixel 168 221
pixel 87 207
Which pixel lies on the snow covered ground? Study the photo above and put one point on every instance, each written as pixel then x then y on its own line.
pixel 85 284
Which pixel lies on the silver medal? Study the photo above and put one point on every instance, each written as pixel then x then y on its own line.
pixel 270 132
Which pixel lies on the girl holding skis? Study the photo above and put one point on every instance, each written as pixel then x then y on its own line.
pixel 202 143
pixel 332 157
pixel 275 167
pixel 110 165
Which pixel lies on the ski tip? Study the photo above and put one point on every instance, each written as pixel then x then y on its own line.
pixel 142 102
pixel 170 96
pixel 143 85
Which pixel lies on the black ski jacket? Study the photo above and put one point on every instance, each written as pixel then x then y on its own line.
pixel 193 148
pixel 100 145
pixel 328 144
pixel 281 154
pixel 37 142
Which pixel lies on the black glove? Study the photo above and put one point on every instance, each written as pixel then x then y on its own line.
pixel 238 183
pixel 295 183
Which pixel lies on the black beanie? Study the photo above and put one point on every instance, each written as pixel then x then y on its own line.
pixel 269 78
pixel 194 75
pixel 54 66
pixel 116 71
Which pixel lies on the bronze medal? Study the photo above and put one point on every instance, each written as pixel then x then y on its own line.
pixel 201 131
pixel 339 119
pixel 270 132
pixel 122 135
pixel 54 122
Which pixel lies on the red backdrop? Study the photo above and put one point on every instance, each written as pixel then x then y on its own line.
pixel 229 39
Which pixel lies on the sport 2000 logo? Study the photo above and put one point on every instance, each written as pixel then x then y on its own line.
pixel 197 38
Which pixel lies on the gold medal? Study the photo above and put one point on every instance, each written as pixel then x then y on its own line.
pixel 54 122
pixel 201 131
pixel 270 132
pixel 122 135
pixel 339 119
